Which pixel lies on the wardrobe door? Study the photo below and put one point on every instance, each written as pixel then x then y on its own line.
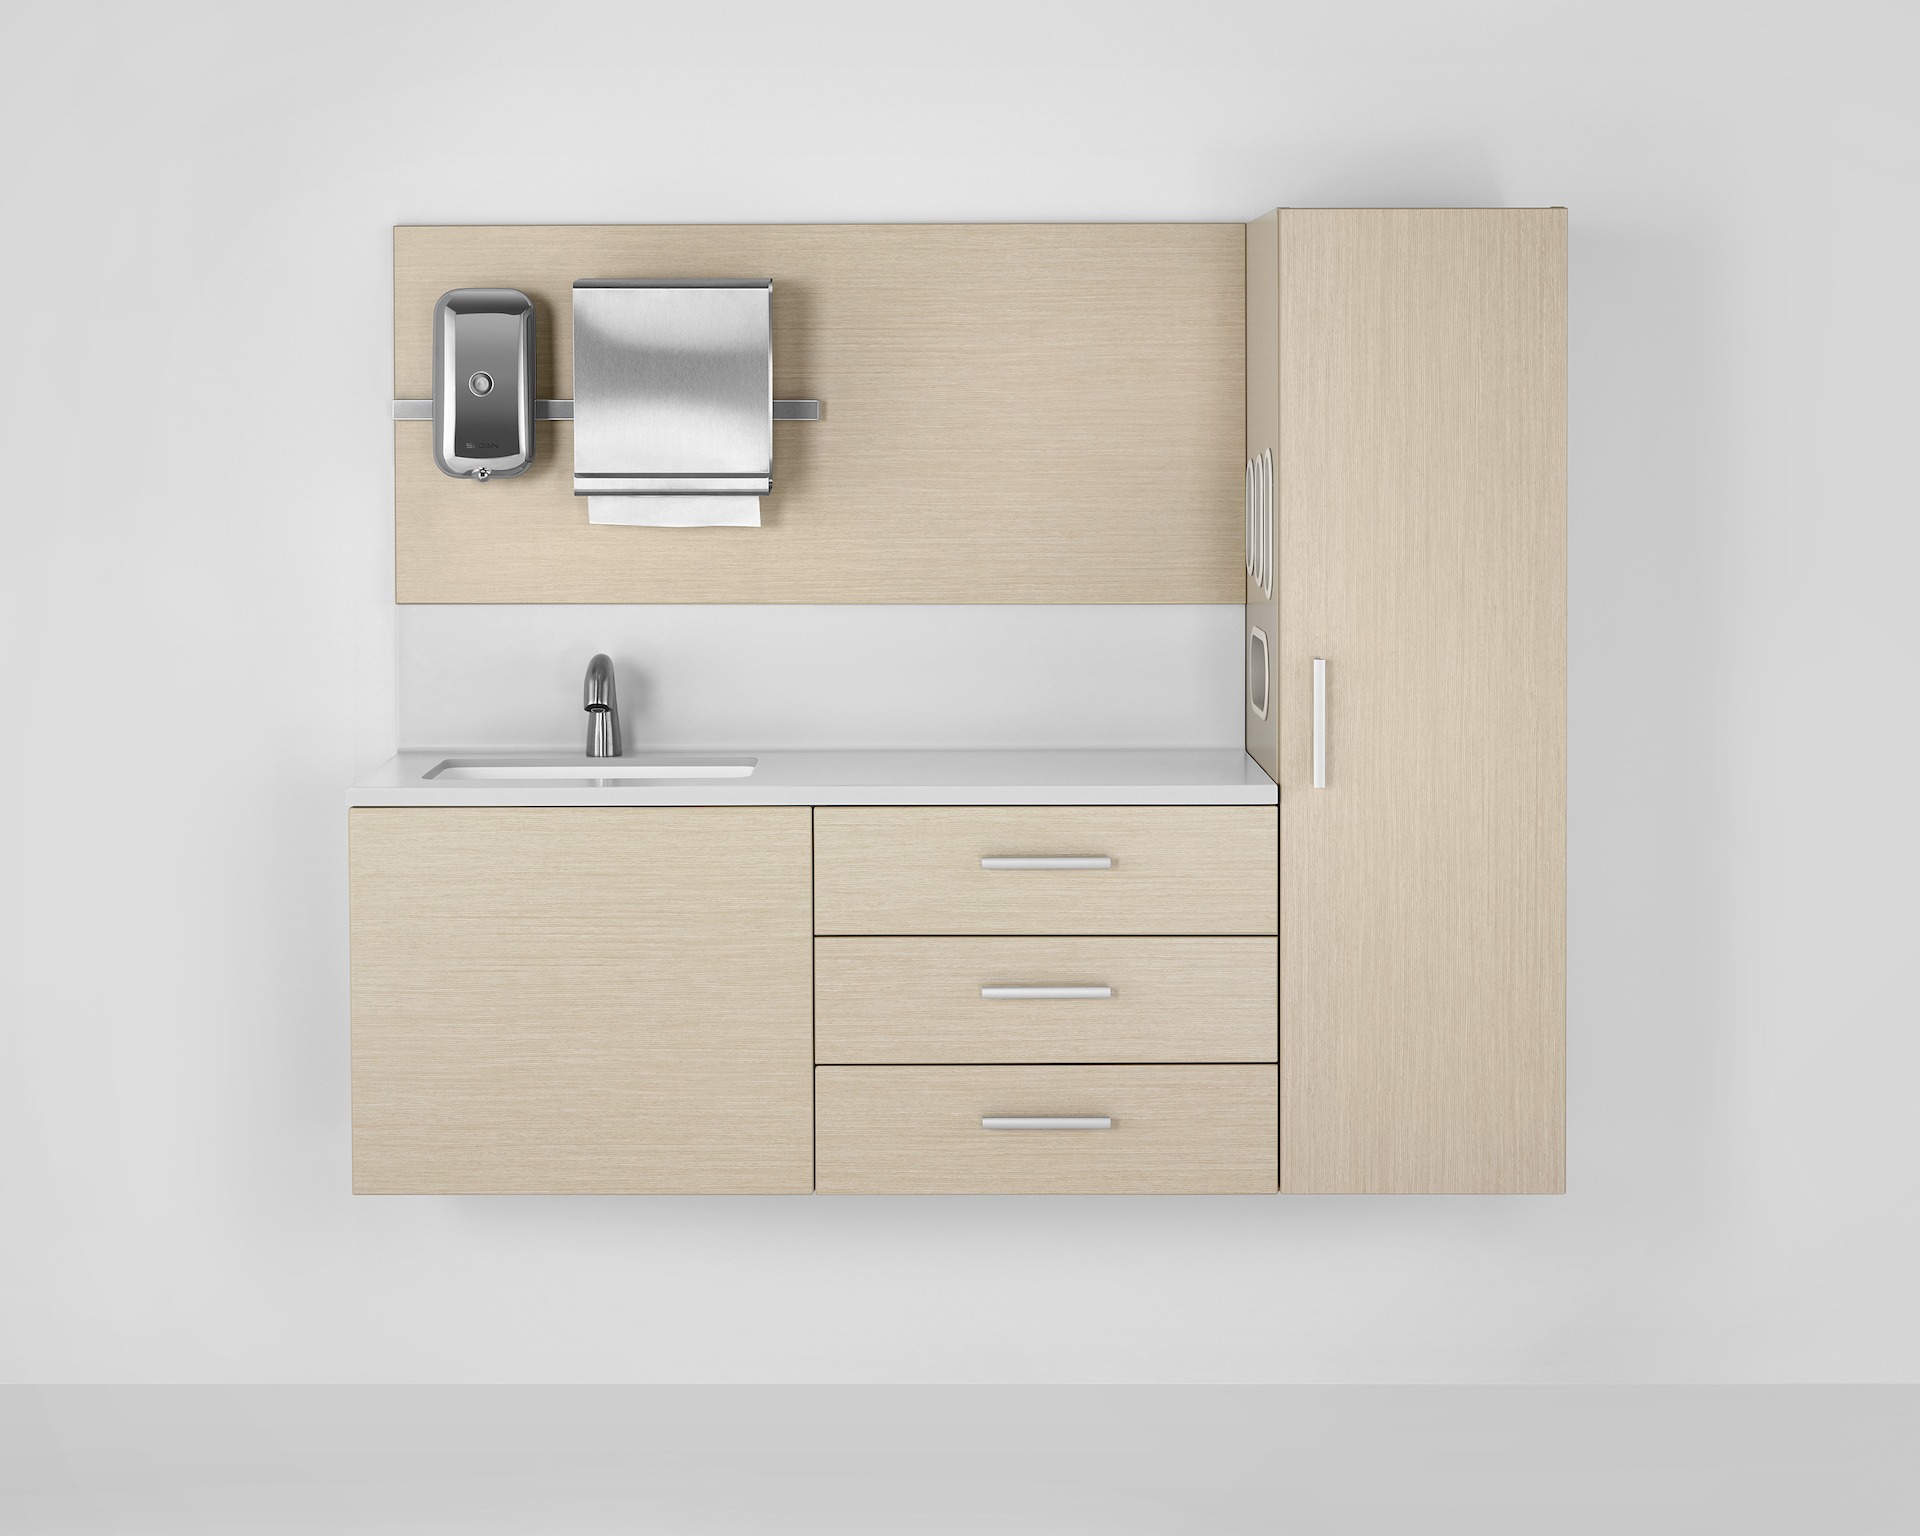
pixel 1421 684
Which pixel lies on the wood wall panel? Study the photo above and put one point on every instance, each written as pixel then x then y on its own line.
pixel 1012 413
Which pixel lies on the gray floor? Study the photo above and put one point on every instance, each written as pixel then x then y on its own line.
pixel 1001 1459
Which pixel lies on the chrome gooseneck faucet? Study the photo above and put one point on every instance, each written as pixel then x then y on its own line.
pixel 603 709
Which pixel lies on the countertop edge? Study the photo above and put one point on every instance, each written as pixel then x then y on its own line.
pixel 864 794
pixel 1113 777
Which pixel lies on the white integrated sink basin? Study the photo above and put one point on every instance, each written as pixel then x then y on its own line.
pixel 588 772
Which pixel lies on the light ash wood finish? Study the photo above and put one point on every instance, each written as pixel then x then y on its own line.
pixel 1176 1130
pixel 917 1000
pixel 581 1001
pixel 1263 436
pixel 916 870
pixel 1423 554
pixel 1012 414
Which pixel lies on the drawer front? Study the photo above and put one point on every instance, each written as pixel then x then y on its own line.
pixel 1047 870
pixel 1170 1130
pixel 921 1000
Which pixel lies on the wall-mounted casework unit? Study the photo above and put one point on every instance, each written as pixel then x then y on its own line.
pixel 1333 962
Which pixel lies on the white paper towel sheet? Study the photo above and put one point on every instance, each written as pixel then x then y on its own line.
pixel 675 511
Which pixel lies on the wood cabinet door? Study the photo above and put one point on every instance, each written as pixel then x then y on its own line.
pixel 1422 557
pixel 582 1001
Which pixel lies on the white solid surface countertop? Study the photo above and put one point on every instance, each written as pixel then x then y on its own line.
pixel 1079 776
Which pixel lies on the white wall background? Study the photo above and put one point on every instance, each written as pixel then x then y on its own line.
pixel 797 676
pixel 198 653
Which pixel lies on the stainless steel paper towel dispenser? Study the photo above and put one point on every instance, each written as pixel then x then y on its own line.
pixel 673 387
pixel 483 340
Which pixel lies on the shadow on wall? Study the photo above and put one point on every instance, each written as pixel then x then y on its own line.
pixel 1664 512
pixel 1660 509
pixel 1659 524
pixel 1374 176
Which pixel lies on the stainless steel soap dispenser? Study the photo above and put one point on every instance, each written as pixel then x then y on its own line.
pixel 483 358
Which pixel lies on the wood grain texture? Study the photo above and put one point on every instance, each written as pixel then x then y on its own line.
pixel 1263 436
pixel 1012 414
pixel 1423 554
pixel 581 1001
pixel 916 870
pixel 1176 1130
pixel 917 1000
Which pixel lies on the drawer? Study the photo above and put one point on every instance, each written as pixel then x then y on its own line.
pixel 932 1000
pixel 1169 1130
pixel 1047 869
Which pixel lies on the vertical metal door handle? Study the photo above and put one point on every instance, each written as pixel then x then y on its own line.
pixel 1319 722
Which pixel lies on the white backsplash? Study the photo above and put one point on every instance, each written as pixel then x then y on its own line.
pixel 509 677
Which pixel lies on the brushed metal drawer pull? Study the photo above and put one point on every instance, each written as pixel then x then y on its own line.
pixel 1042 994
pixel 1100 861
pixel 1046 1122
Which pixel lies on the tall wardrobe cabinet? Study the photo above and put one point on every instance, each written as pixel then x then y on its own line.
pixel 1406 671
